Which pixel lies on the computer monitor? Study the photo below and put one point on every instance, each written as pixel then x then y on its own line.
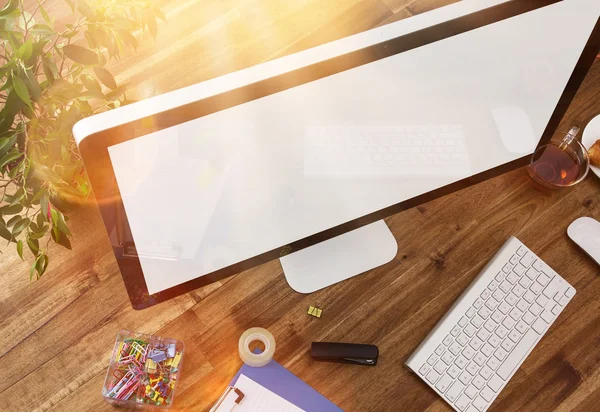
pixel 206 181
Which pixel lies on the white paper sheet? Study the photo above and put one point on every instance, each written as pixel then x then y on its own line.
pixel 257 398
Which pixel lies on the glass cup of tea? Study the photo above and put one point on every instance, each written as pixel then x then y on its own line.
pixel 563 162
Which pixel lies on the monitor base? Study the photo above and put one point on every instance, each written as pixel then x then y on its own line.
pixel 339 258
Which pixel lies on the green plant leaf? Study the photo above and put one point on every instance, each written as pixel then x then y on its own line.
pixel 151 22
pixel 39 233
pixel 11 210
pixel 59 221
pixel 4 232
pixel 105 77
pixel 9 7
pixel 13 221
pixel 24 52
pixel 158 13
pixel 44 205
pixel 40 219
pixel 34 245
pixel 21 226
pixel 118 92
pixel 4 142
pixel 128 38
pixel 90 83
pixel 9 157
pixel 80 54
pixel 41 29
pixel 21 89
pixel 61 240
pixel 18 196
pixel 71 5
pixel 84 8
pixel 44 14
pixel 41 264
pixel 20 249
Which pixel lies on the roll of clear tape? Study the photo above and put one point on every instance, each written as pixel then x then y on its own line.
pixel 256 359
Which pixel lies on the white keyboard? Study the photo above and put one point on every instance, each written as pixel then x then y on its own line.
pixel 476 348
pixel 426 150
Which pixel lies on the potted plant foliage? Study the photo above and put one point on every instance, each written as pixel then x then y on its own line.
pixel 51 76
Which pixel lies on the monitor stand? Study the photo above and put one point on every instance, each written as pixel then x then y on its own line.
pixel 339 258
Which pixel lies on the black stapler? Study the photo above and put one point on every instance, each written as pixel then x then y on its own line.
pixel 353 353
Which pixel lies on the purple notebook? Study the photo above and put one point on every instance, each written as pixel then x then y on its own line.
pixel 284 383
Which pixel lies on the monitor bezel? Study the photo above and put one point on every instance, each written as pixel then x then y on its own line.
pixel 94 148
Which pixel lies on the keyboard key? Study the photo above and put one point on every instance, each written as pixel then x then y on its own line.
pixel 570 292
pixel 507 345
pixel 529 296
pixel 486 372
pixel 519 269
pixel 502 331
pixel 500 276
pixel 480 404
pixel 535 309
pixel 528 318
pixel 497 316
pixel 479 359
pixel 490 325
pixel 522 305
pixel 563 300
pixel 556 310
pixel 527 259
pixel 478 303
pixel 478 381
pixel 543 279
pixel 506 268
pixel 447 340
pixel 485 294
pixel 492 304
pixel 462 339
pixel 517 355
pixel 455 331
pixel 454 391
pixel 521 326
pixel 471 391
pixel 472 368
pixel 538 265
pixel 518 290
pixel 470 312
pixel 484 312
pixel 512 278
pixel 477 321
pixel 498 295
pixel 539 326
pixel 453 371
pixel 448 358
pixel 514 335
pixel 495 383
pixel 542 301
pixel 516 314
pixel 470 330
pixel 433 376
pixel 525 282
pixel 532 274
pixel 513 259
pixel 440 350
pixel 463 322
pixel 536 288
pixel 547 315
pixel 493 363
pixel 552 287
pixel 476 343
pixel 468 353
pixel 500 354
pixel 455 348
pixel 440 367
pixel 521 251
pixel 432 360
pixel 504 308
pixel 461 362
pixel 424 369
pixel 465 378
pixel 487 394
pixel 509 323
pixel 494 340
pixel 511 299
pixel 493 285
pixel 444 383
pixel 505 286
pixel 462 402
pixel 487 350
pixel 483 334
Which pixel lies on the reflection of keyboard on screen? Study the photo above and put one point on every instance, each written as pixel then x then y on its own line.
pixel 385 150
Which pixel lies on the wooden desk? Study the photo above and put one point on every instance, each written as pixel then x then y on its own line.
pixel 56 334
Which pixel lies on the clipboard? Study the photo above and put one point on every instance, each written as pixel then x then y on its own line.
pixel 284 383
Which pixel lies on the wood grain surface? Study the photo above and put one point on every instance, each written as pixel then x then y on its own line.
pixel 56 334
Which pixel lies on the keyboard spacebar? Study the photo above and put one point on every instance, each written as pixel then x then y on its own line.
pixel 517 355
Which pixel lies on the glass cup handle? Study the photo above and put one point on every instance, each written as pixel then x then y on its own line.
pixel 568 139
